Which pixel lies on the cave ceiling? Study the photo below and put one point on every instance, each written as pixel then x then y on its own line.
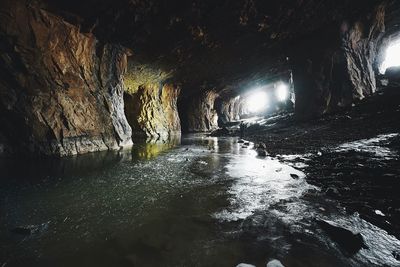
pixel 224 45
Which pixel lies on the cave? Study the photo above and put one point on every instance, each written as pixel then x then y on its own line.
pixel 200 133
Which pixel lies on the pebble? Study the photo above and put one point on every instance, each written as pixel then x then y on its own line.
pixel 380 213
pixel 275 263
pixel 245 265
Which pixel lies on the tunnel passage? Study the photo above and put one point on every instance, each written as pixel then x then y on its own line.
pixel 267 99
pixel 296 105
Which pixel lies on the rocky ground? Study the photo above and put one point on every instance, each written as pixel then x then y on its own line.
pixel 353 155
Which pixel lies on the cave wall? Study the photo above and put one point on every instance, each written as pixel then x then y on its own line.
pixel 151 101
pixel 198 113
pixel 61 91
pixel 152 111
pixel 228 110
pixel 336 66
pixel 360 43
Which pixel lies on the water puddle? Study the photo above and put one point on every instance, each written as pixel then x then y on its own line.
pixel 374 146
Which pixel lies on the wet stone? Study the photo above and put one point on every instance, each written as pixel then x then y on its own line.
pixel 348 242
pixel 275 263
pixel 261 145
pixel 261 152
pixel 244 265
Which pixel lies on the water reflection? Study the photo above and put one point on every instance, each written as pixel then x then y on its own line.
pixel 152 148
pixel 28 169
pixel 201 201
pixel 261 183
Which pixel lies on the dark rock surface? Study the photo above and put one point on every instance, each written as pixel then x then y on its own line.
pixel 61 90
pixel 349 242
pixel 229 110
pixel 337 69
pixel 198 114
pixel 21 231
pixel 229 47
pixel 393 74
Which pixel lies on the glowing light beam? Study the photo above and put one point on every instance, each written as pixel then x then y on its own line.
pixel 282 92
pixel 257 102
pixel 392 58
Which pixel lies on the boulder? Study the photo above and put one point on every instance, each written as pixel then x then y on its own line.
pixel 244 265
pixel 261 152
pixel 275 263
pixel 348 242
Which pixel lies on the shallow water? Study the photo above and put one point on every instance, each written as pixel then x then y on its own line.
pixel 201 201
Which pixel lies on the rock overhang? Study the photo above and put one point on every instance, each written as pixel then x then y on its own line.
pixel 215 43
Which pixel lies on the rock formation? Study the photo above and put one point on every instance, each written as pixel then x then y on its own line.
pixel 360 42
pixel 198 113
pixel 339 67
pixel 151 102
pixel 63 84
pixel 61 91
pixel 152 111
pixel 229 110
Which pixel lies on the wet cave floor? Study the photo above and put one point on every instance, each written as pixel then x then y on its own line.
pixel 211 201
pixel 353 155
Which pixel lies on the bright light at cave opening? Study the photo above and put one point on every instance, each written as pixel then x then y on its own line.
pixel 257 102
pixel 282 92
pixel 392 58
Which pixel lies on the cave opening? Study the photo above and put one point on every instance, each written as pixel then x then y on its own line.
pixel 268 99
pixel 257 101
pixel 200 133
pixel 391 57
